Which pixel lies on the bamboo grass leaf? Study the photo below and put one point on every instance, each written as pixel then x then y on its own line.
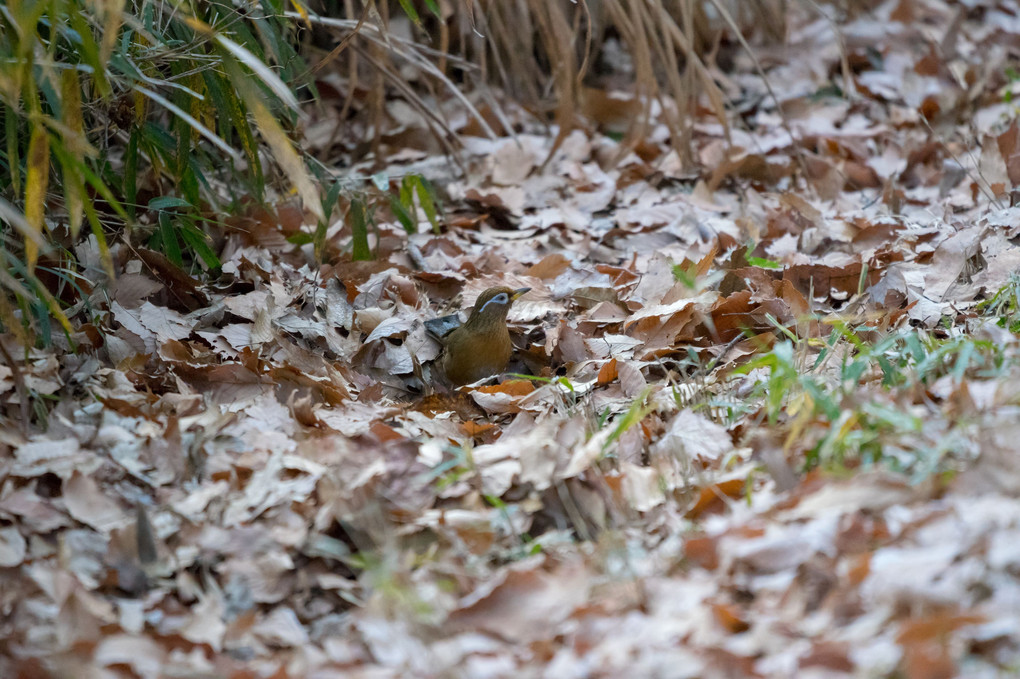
pixel 36 182
pixel 89 52
pixel 199 242
pixel 13 216
pixel 43 301
pixel 240 120
pixel 282 148
pixel 359 229
pixel 74 185
pixel 131 171
pixel 427 199
pixel 96 183
pixel 242 54
pixel 167 202
pixel 303 12
pixel 168 238
pixel 186 117
pixel 410 11
pixel 113 10
pixel 402 215
pixel 97 232
pixel 52 305
pixel 13 150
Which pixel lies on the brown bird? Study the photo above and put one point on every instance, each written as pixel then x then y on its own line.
pixel 481 347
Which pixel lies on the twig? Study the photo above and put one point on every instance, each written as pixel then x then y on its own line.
pixel 19 386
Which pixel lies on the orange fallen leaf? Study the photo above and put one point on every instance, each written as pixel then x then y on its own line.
pixel 729 617
pixel 477 539
pixel 860 567
pixel 511 387
pixel 710 497
pixel 457 402
pixel 935 627
pixel 550 267
pixel 472 428
pixel 702 552
pixel 608 372
pixel 385 433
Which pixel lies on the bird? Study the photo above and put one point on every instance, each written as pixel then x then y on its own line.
pixel 480 347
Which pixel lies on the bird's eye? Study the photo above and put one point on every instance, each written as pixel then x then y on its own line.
pixel 499 300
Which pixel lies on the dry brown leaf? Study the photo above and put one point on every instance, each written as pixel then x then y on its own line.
pixel 88 504
pixel 526 602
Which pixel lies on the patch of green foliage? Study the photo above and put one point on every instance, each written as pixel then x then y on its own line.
pixel 1004 305
pixel 402 202
pixel 639 409
pixel 867 410
pixel 95 98
pixel 1012 76
pixel 760 262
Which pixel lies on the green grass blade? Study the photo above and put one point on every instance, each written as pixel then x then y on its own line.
pixel 359 229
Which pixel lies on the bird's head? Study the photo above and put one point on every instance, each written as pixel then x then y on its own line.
pixel 494 303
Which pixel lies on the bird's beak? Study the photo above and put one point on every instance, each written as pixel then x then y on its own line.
pixel 518 292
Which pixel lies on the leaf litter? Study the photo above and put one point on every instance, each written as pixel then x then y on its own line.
pixel 737 442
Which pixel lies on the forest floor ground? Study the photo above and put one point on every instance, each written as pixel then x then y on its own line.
pixel 772 431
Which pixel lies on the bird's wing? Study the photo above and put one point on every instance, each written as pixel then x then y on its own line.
pixel 443 326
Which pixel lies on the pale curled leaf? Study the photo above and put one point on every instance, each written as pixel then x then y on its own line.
pixel 12 547
pixel 88 504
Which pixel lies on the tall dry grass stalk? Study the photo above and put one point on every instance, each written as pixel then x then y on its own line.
pixel 548 54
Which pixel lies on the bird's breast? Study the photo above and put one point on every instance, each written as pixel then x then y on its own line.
pixel 473 356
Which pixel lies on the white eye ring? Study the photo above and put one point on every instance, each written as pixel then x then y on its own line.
pixel 502 299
